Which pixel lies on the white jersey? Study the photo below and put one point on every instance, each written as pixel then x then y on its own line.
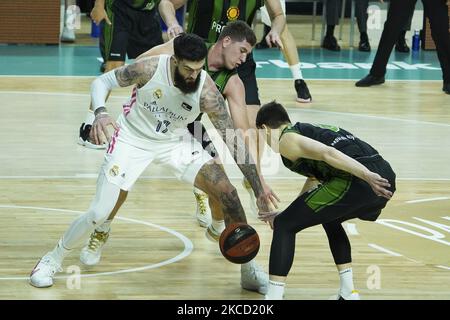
pixel 159 111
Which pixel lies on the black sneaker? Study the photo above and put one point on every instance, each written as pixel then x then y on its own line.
pixel 262 44
pixel 303 94
pixel 369 80
pixel 83 138
pixel 330 43
pixel 364 46
pixel 446 88
pixel 401 46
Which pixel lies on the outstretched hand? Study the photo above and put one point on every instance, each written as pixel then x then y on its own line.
pixel 174 31
pixel 273 39
pixel 268 217
pixel 271 196
pixel 98 14
pixel 379 185
pixel 100 128
pixel 267 207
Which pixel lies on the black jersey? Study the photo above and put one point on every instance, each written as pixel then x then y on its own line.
pixel 331 136
pixel 220 77
pixel 208 17
pixel 142 4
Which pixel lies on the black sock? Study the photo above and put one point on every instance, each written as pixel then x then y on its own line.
pixel 363 36
pixel 401 37
pixel 330 31
pixel 266 32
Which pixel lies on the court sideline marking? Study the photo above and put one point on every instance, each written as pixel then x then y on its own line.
pixel 188 245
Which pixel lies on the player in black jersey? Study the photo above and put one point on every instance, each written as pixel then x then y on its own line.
pixel 207 19
pixel 346 178
pixel 234 45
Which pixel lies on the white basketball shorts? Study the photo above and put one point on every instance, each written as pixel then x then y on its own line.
pixel 265 18
pixel 125 162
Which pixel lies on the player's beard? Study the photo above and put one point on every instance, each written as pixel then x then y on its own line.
pixel 183 85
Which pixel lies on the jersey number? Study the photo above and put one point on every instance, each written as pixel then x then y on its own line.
pixel 162 124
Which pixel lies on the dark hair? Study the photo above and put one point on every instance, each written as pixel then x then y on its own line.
pixel 238 31
pixel 273 115
pixel 188 46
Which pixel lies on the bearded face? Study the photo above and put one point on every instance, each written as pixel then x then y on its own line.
pixel 187 75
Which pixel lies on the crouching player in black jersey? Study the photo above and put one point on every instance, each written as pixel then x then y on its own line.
pixel 346 178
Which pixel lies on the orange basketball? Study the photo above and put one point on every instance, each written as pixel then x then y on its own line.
pixel 239 243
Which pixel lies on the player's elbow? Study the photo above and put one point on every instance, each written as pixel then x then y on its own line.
pixel 329 155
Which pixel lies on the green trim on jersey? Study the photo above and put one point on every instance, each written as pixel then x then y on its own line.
pixel 220 77
pixel 329 193
pixel 306 166
pixel 143 4
pixel 108 29
pixel 208 17
pixel 335 182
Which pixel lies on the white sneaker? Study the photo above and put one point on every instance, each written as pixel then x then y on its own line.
pixel 203 213
pixel 83 138
pixel 90 255
pixel 249 189
pixel 68 35
pixel 353 296
pixel 254 278
pixel 43 272
pixel 212 234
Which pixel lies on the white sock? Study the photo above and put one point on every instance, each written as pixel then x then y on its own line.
pixel 90 117
pixel 248 265
pixel 347 287
pixel 296 71
pixel 104 227
pixel 247 184
pixel 275 290
pixel 218 225
pixel 78 231
pixel 199 191
pixel 70 17
pixel 60 252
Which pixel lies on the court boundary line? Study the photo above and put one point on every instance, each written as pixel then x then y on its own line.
pixel 171 177
pixel 188 245
pixel 439 124
pixel 287 79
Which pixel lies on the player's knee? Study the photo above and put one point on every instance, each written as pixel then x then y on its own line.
pixel 282 223
pixel 222 189
pixel 97 215
pixel 330 227
pixel 111 65
pixel 96 218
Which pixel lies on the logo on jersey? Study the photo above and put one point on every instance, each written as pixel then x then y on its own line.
pixel 114 171
pixel 232 13
pixel 186 107
pixel 157 94
pixel 149 6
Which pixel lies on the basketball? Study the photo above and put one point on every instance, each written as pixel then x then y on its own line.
pixel 239 243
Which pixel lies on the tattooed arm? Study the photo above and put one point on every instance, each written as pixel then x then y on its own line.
pixel 213 104
pixel 138 73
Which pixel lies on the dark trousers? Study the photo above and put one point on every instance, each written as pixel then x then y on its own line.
pixel 398 14
pixel 333 14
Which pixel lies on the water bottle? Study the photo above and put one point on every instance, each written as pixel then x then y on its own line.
pixel 416 41
pixel 95 30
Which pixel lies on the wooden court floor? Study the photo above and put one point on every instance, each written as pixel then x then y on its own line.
pixel 156 250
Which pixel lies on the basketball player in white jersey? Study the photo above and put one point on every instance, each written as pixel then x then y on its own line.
pixel 169 93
